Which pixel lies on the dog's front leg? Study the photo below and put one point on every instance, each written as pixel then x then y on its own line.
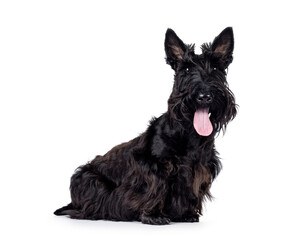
pixel 145 194
pixel 152 210
pixel 182 202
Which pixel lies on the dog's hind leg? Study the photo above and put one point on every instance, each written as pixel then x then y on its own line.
pixel 90 192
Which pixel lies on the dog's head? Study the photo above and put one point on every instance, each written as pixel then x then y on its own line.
pixel 201 97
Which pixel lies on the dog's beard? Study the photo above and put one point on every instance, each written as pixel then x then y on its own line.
pixel 202 123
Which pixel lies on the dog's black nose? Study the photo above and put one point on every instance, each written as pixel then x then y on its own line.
pixel 204 98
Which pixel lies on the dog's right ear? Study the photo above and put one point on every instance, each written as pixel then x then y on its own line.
pixel 174 48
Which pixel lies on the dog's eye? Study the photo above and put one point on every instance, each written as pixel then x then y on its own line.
pixel 187 70
pixel 214 69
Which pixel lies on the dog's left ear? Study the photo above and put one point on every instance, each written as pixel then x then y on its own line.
pixel 222 47
pixel 174 48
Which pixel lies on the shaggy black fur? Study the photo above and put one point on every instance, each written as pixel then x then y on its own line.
pixel 165 174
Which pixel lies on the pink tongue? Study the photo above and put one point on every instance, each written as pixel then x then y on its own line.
pixel 202 123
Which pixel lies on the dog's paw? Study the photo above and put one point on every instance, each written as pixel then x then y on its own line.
pixel 146 219
pixel 192 218
pixel 187 218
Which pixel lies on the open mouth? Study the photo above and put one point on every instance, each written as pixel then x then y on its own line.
pixel 202 123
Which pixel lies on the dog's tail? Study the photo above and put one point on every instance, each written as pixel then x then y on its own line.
pixel 66 210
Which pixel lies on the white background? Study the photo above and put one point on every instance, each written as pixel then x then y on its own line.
pixel 78 77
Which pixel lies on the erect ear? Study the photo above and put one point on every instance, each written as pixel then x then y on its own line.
pixel 174 48
pixel 222 47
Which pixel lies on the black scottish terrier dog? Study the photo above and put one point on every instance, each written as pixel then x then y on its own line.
pixel 165 174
